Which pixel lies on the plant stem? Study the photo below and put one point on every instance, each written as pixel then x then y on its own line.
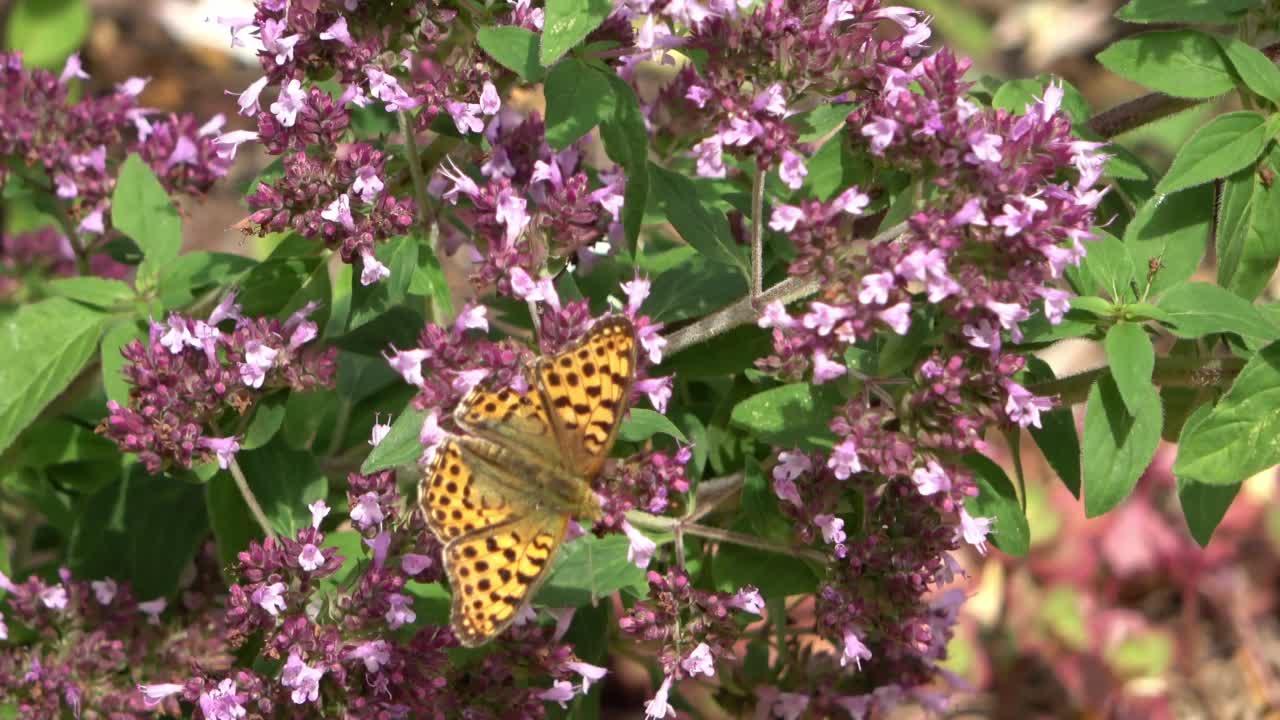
pixel 415 167
pixel 249 499
pixel 1169 372
pixel 757 236
pixel 745 310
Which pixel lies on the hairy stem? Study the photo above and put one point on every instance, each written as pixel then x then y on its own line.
pixel 1168 372
pixel 251 500
pixel 415 167
pixel 757 236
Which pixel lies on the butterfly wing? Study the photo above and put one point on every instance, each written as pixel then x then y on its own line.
pixel 493 572
pixel 515 420
pixel 586 388
pixel 463 492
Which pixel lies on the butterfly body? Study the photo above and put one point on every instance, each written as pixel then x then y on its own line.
pixel 501 496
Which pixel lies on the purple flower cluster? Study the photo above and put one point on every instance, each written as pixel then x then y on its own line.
pixel 46 253
pixel 694 628
pixel 192 381
pixel 72 150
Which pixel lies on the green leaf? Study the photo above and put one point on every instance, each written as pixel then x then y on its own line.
pixel 1131 359
pixel 760 504
pixel 400 255
pixel 578 99
pixel 401 445
pixel 141 209
pixel 591 568
pixel 96 291
pixel 271 284
pixel 1199 309
pixel 626 140
pixel 113 362
pixel 142 529
pixel 1117 446
pixel 397 327
pixel 196 272
pixel 998 499
pixel 695 287
pixel 514 48
pixel 1248 237
pixel 1208 12
pixel 1056 437
pixel 1109 263
pixel 1181 63
pixel 1203 506
pixel 47 31
pixel 1016 95
pixel 57 441
pixel 1240 437
pixel 776 576
pixel 726 354
pixel 702 227
pixel 833 168
pixel 793 415
pixel 268 417
pixel 1224 145
pixel 1169 232
pixel 1257 70
pixel 44 346
pixel 569 22
pixel 814 125
pixel 642 424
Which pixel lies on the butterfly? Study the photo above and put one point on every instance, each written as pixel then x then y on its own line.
pixel 501 496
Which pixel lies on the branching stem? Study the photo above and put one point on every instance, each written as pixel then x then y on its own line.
pixel 251 500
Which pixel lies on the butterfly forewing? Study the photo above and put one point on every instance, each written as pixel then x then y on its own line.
pixel 519 421
pixel 586 388
pixel 494 572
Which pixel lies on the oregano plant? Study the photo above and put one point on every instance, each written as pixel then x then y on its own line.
pixel 840 252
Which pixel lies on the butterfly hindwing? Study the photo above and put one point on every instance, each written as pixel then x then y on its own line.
pixel 461 492
pixel 517 420
pixel 494 572
pixel 586 388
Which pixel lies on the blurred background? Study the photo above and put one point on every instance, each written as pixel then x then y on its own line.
pixel 1117 617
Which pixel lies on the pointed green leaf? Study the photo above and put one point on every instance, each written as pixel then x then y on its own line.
pixel 1131 359
pixel 1117 446
pixel 1181 63
pixel 567 23
pixel 1226 144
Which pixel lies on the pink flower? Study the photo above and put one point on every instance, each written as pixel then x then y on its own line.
pixel 310 558
pixel 785 489
pixel 490 101
pixel 372 270
pixel 379 431
pixel 400 612
pixel 302 678
pixel 93 223
pixel 983 335
pixel 880 131
pixel 785 218
pixel 133 86
pixel 590 673
pixel 367 183
pixel 153 695
pixel 72 69
pixel 875 288
pixel 699 661
pixel 226 144
pixel 775 315
pixel 832 528
pixel 793 170
pixel 413 563
pixel 431 433
pixel 319 509
pixel 789 706
pixel 823 317
pixel 1056 304
pixel 897 317
pixel 104 590
pixel 339 211
pixel 658 390
pixel 974 530
pixel 561 691
pixel 466 116
pixel 338 32
pixel 984 147
pixel 854 651
pixel 409 364
pixel 367 512
pixel 291 100
pixel 152 609
pixel 276 42
pixel 248 100
pixel 852 201
pixel 375 654
pixel 791 465
pixel 657 707
pixel 466 380
pixel 710 154
pixel 224 449
pixel 472 317
pixel 970 214
pixel 931 479
pixel 511 212
pixel 698 95
pixel 258 359
pixel 747 599
pixel 270 598
pixel 844 459
pixel 652 341
pixel 54 597
pixel 462 183
pixel 641 550
pixel 771 100
pixel 636 291
pixel 221 703
pixel 1023 407
pixel 825 369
